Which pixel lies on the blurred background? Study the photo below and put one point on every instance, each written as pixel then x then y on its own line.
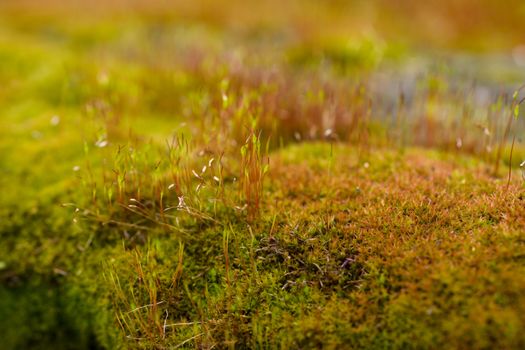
pixel 149 56
pixel 467 25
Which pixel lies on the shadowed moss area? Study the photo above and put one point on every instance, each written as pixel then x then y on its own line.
pixel 43 316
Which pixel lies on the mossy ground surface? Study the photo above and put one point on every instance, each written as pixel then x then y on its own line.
pixel 412 250
pixel 333 236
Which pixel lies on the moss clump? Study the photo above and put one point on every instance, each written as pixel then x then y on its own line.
pixel 165 192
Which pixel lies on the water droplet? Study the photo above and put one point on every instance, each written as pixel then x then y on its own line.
pixel 55 120
pixel 101 143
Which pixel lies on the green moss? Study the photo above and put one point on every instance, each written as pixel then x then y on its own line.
pixel 113 238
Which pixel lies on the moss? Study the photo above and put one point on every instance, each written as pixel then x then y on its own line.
pixel 389 256
pixel 114 238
